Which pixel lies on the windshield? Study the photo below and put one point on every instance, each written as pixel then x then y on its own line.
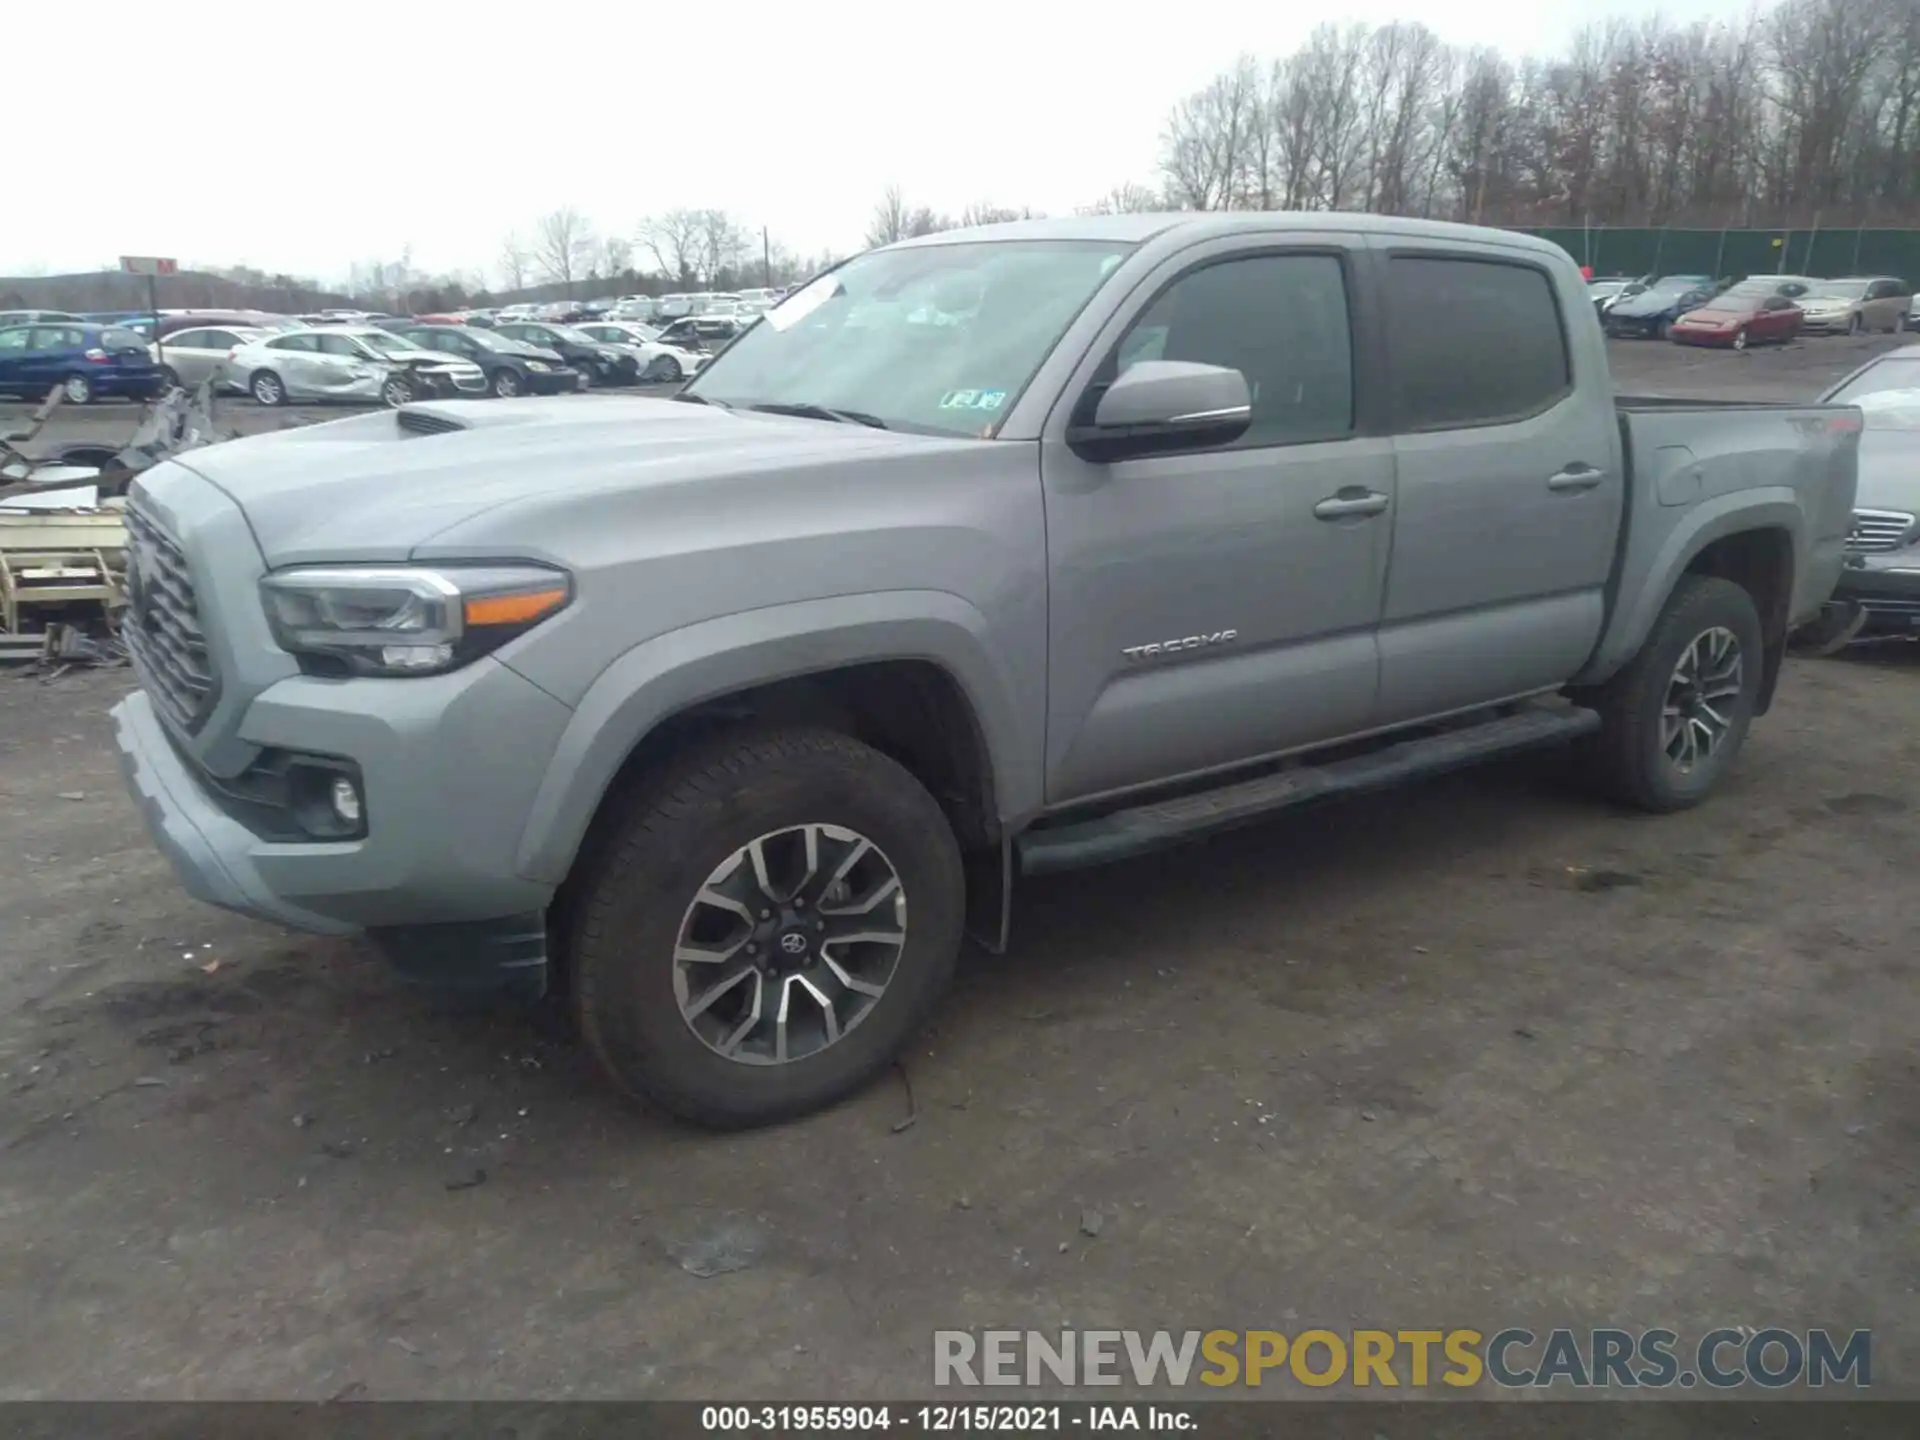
pixel 386 343
pixel 1897 377
pixel 482 337
pixel 578 337
pixel 937 338
pixel 1838 290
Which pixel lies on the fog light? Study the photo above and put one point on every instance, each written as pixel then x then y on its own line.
pixel 346 801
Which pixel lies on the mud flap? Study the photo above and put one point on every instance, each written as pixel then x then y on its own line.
pixel 990 897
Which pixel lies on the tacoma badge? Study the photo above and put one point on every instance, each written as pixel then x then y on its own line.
pixel 1172 647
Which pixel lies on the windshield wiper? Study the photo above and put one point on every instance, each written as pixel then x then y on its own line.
pixel 806 411
pixel 690 399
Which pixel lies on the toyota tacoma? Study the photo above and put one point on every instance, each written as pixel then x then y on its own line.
pixel 982 555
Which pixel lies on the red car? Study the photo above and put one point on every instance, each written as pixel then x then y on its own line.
pixel 1738 320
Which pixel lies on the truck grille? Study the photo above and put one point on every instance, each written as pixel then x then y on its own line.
pixel 162 625
pixel 1879 530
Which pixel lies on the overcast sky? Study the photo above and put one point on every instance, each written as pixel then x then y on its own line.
pixel 304 138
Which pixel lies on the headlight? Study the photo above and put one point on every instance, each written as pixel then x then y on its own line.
pixel 407 620
pixel 539 365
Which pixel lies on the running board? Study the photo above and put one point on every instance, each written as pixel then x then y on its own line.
pixel 1170 822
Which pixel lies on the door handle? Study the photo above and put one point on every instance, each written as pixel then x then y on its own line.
pixel 1345 506
pixel 1575 477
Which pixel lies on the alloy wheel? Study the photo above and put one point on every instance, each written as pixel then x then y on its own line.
pixel 789 944
pixel 1701 695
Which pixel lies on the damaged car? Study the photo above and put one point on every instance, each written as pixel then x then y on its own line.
pixel 351 362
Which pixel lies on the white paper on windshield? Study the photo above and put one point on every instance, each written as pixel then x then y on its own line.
pixel 802 303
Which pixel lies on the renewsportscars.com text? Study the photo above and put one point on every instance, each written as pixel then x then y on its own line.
pixel 1513 1358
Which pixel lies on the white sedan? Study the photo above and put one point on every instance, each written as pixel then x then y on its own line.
pixel 349 362
pixel 660 363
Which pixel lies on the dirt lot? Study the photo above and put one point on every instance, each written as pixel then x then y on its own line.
pixel 1480 1053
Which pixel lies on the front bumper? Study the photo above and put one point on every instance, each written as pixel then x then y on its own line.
pixel 1826 324
pixel 552 382
pixel 438 849
pixel 1887 587
pixel 1681 335
pixel 1635 328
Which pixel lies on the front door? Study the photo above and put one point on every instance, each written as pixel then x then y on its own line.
pixel 1219 605
pixel 1510 491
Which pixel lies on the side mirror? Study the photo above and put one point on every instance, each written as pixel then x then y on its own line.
pixel 1160 405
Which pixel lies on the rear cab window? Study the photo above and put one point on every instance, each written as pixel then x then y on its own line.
pixel 1475 341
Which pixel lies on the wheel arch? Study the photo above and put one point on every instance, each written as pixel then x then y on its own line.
pixel 1754 538
pixel 910 674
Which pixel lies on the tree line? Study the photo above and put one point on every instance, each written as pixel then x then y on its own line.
pixel 1806 112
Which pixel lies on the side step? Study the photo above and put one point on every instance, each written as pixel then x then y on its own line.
pixel 1170 822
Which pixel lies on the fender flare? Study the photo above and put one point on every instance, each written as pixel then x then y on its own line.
pixel 671 673
pixel 1649 584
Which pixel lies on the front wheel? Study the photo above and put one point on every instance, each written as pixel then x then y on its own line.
pixel 665 371
pixel 1665 330
pixel 395 393
pixel 1676 714
pixel 1853 325
pixel 506 383
pixel 764 927
pixel 1740 339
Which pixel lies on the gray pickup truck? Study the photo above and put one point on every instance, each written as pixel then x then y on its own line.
pixel 983 555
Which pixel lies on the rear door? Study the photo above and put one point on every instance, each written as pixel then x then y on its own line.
pixel 13 356
pixel 1510 491
pixel 1886 303
pixel 53 352
pixel 341 365
pixel 1216 605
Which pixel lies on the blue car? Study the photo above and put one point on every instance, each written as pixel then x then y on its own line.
pixel 1650 314
pixel 88 362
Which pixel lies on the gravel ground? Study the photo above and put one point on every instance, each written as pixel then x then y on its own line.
pixel 1478 1053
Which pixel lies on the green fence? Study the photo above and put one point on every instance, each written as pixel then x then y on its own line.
pixel 1823 253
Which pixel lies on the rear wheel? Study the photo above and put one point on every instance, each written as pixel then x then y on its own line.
pixel 266 388
pixel 169 378
pixel 1676 715
pixel 78 390
pixel 765 926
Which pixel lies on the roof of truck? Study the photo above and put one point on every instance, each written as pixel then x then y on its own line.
pixel 1197 224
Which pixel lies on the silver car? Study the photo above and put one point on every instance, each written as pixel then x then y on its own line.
pixel 1850 306
pixel 197 356
pixel 350 362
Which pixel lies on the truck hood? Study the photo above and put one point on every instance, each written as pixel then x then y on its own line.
pixel 378 487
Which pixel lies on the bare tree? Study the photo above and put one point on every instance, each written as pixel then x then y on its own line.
pixel 616 256
pixel 889 222
pixel 1127 199
pixel 722 243
pixel 674 239
pixel 513 263
pixel 564 246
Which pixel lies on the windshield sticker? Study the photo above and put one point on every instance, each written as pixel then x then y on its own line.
pixel 973 399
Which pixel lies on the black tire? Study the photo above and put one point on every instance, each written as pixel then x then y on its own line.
pixel 1627 756
pixel 1665 332
pixel 642 873
pixel 1854 325
pixel 397 391
pixel 78 390
pixel 588 378
pixel 267 388
pixel 169 379
pixel 506 383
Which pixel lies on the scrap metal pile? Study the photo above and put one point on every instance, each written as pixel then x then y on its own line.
pixel 63 540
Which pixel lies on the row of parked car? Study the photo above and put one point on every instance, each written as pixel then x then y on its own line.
pixel 1699 310
pixel 337 355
